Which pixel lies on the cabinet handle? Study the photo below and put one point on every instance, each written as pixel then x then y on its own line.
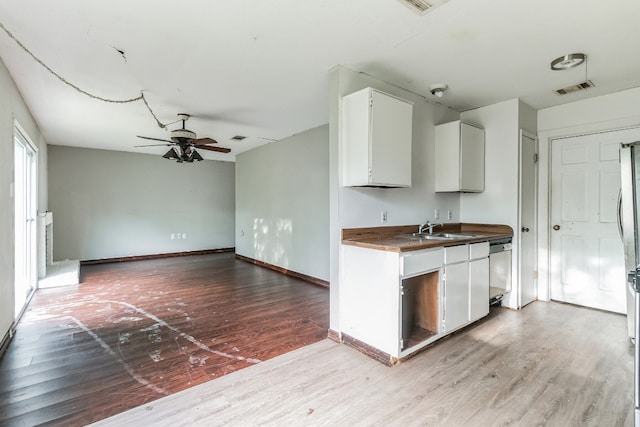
pixel 525 229
pixel 556 227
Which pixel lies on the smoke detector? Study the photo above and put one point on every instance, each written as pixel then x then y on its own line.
pixel 422 6
pixel 438 89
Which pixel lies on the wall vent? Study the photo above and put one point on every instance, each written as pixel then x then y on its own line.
pixel 574 88
pixel 422 6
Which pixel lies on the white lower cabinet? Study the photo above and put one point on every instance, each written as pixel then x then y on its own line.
pixel 478 280
pixel 397 303
pixel 466 284
pixel 478 288
pixel 391 301
pixel 456 294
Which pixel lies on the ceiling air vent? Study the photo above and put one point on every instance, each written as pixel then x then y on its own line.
pixel 574 88
pixel 238 138
pixel 422 6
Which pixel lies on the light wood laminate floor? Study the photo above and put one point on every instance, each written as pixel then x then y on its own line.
pixel 549 364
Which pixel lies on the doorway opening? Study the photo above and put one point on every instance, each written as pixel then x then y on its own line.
pixel 25 214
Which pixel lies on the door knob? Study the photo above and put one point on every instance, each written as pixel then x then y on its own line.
pixel 556 227
pixel 525 229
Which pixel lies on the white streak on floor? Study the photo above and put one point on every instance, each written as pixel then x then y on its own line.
pixel 124 364
pixel 182 334
pixel 198 361
pixel 153 327
pixel 123 337
pixel 155 356
pixel 127 319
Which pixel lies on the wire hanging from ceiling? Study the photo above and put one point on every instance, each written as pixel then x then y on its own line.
pixel 82 91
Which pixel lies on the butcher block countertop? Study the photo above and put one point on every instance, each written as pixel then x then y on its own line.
pixel 401 239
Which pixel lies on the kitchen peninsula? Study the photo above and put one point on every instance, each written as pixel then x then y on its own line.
pixel 402 290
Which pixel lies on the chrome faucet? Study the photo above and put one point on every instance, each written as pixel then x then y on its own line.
pixel 427 226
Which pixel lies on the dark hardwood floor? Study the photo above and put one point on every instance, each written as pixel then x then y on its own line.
pixel 134 332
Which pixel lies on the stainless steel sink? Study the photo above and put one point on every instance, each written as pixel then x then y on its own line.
pixel 443 236
pixel 459 235
pixel 434 236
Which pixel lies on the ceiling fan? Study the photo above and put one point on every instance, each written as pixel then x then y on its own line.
pixel 184 144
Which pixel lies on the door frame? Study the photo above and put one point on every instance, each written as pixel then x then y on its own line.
pixel 545 139
pixel 536 142
pixel 25 138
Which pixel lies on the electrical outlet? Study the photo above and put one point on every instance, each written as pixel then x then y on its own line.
pixel 436 213
pixel 184 235
pixel 449 215
pixel 179 236
pixel 242 232
pixel 383 217
pixel 173 236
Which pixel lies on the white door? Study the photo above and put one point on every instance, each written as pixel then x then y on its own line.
pixel 587 259
pixel 528 220
pixel 25 211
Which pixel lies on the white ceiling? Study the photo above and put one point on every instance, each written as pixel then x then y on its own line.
pixel 260 68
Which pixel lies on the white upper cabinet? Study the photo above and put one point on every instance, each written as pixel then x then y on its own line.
pixel 376 139
pixel 459 157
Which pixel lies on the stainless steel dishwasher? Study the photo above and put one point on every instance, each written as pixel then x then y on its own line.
pixel 499 269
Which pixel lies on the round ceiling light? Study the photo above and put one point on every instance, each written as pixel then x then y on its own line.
pixel 568 61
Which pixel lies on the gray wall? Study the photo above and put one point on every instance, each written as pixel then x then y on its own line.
pixel 13 107
pixel 282 203
pixel 110 204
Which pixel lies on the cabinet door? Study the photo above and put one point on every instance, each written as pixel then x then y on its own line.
pixel 391 131
pixel 355 138
pixel 376 139
pixel 471 158
pixel 478 288
pixel 456 296
pixel 447 156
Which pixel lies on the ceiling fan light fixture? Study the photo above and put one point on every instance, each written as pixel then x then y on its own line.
pixel 184 143
pixel 568 61
pixel 172 154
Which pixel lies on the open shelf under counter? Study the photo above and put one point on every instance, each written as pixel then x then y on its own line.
pixel 420 309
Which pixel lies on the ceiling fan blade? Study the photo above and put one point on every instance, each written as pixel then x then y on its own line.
pixel 153 145
pixel 155 139
pixel 203 141
pixel 218 149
